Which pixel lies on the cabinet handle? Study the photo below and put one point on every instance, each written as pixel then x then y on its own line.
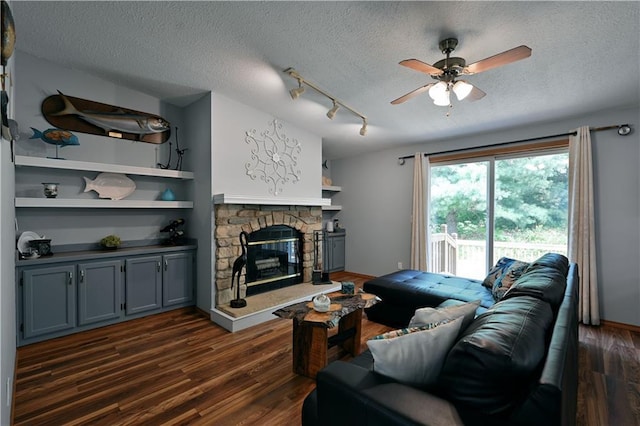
pixel 158 266
pixel 166 264
pixel 70 278
pixel 81 275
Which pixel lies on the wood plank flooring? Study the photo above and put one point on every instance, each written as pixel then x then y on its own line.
pixel 179 368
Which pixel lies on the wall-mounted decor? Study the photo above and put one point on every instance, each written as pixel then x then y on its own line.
pixel 81 115
pixel 274 157
pixel 8 33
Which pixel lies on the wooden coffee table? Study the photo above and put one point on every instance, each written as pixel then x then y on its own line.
pixel 310 329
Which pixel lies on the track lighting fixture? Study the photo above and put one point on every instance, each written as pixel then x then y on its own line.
pixel 295 93
pixel 363 129
pixel 332 111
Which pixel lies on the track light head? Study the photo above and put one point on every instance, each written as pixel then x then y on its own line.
pixel 363 129
pixel 295 93
pixel 332 111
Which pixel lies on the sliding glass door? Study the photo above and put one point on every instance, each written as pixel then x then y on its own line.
pixel 484 209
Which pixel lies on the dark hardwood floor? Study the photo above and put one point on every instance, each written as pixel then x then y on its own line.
pixel 179 368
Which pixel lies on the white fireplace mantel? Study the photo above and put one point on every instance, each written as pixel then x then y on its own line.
pixel 273 201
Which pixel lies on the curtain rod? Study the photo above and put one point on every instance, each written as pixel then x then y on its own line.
pixel 451 151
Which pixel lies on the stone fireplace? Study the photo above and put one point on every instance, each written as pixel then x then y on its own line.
pixel 231 219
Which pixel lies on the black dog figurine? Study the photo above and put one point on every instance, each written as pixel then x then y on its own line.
pixel 238 264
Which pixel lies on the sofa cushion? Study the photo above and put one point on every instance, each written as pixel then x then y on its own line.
pixel 487 369
pixel 508 278
pixel 419 289
pixel 544 279
pixel 414 356
pixel 428 315
pixel 497 271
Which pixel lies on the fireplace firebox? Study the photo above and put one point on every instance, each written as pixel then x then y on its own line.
pixel 274 259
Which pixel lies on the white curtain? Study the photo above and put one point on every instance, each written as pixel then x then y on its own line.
pixel 582 245
pixel 419 237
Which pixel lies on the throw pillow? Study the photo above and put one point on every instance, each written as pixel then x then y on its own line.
pixel 496 272
pixel 467 311
pixel 414 356
pixel 504 283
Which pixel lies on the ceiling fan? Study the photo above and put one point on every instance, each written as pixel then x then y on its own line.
pixel 447 71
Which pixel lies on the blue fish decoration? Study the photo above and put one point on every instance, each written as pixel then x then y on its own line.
pixel 56 137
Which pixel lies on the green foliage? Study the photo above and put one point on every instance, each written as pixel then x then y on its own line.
pixel 110 241
pixel 531 199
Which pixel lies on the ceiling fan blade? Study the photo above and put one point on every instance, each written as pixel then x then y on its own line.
pixel 498 60
pixel 420 66
pixel 475 95
pixel 410 95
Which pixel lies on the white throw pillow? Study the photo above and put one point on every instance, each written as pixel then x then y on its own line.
pixel 415 357
pixel 429 315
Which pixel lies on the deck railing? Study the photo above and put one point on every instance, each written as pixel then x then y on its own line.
pixel 467 258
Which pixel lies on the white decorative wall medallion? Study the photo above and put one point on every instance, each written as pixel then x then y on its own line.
pixel 274 159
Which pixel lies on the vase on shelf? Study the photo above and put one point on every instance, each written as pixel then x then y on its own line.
pixel 50 189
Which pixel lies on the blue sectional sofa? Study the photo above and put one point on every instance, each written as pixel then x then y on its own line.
pixel 516 363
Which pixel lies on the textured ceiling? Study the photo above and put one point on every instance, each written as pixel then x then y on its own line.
pixel 585 58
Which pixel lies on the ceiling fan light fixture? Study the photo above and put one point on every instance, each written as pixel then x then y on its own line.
pixel 462 89
pixel 332 112
pixel 438 90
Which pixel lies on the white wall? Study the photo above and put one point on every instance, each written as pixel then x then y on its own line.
pixel 231 152
pixel 376 200
pixel 7 268
pixel 37 79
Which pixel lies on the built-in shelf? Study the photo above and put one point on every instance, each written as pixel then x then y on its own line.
pixel 332 188
pixel 52 163
pixel 93 203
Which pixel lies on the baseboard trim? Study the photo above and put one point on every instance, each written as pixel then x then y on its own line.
pixel 621 325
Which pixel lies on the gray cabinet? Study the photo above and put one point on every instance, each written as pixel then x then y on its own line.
pixel 177 279
pixel 49 300
pixel 68 293
pixel 334 251
pixel 143 284
pixel 99 291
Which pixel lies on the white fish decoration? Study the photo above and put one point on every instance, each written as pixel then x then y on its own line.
pixel 110 185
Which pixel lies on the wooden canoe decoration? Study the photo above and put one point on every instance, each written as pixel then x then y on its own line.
pixel 95 118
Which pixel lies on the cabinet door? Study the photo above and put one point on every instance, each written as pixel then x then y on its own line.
pixel 337 253
pixel 99 285
pixel 49 299
pixel 143 284
pixel 177 279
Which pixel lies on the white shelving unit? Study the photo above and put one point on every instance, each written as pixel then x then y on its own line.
pixel 102 204
pixel 52 163
pixel 73 165
pixel 331 190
